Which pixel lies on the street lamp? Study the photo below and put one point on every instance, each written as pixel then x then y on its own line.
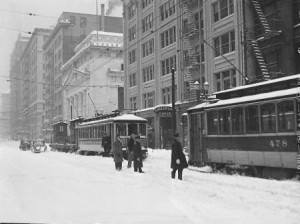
pixel 206 87
pixel 197 88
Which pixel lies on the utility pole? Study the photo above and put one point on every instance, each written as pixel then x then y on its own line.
pixel 173 103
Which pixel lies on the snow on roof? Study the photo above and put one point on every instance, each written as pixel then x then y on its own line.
pixel 128 117
pixel 124 117
pixel 245 99
pixel 260 83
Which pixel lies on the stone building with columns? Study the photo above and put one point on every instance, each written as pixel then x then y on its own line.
pixel 93 77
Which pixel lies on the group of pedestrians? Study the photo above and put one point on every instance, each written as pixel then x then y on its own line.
pixel 178 160
pixel 134 153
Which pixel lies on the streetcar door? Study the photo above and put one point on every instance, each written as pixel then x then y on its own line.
pixel 196 131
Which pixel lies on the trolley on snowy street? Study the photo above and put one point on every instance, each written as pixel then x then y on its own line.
pixel 253 126
pixel 90 133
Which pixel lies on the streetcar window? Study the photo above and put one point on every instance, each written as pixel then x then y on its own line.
pixel 121 129
pixel 132 129
pixel 224 121
pixel 268 118
pixel 212 122
pixel 142 129
pixel 252 121
pixel 286 117
pixel 237 117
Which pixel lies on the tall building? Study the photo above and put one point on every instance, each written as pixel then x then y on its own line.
pixel 212 45
pixel 5 116
pixel 33 88
pixel 69 31
pixel 16 87
pixel 93 77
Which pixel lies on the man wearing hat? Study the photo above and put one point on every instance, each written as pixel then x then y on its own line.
pixel 178 161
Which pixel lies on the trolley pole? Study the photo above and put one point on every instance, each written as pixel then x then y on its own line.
pixel 173 103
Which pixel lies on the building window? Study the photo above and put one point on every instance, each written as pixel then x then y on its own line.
pixel 167 9
pixel 148 100
pixel 145 3
pixel 131 10
pixel 168 37
pixel 148 48
pixel 167 65
pixel 132 80
pixel 83 21
pixel 222 9
pixel 224 44
pixel 148 73
pixel 225 80
pixel 166 95
pixel 132 33
pixel 147 22
pixel 72 20
pixel 132 57
pixel 132 103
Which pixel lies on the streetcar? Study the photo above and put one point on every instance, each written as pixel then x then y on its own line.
pixel 253 127
pixel 90 133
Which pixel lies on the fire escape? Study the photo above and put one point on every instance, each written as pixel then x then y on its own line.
pixel 189 34
pixel 267 33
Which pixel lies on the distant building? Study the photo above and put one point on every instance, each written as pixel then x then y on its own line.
pixel 5 117
pixel 15 79
pixel 93 77
pixel 70 30
pixel 33 88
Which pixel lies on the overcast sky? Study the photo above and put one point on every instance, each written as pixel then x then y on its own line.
pixel 15 19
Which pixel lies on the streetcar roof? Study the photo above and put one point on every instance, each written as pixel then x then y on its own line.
pixel 260 83
pixel 248 99
pixel 121 118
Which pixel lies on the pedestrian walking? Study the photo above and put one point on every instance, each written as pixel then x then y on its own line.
pixel 137 155
pixel 117 153
pixel 178 161
pixel 130 146
pixel 106 144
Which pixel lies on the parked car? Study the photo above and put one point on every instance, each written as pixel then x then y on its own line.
pixel 38 145
pixel 25 144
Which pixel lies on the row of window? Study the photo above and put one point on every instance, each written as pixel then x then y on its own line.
pixel 148 48
pixel 149 98
pixel 82 21
pixel 253 119
pixel 225 80
pixel 222 9
pixel 145 3
pixel 167 9
pixel 224 44
pixel 168 37
pixel 147 23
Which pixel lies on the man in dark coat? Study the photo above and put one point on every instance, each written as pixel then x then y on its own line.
pixel 106 144
pixel 130 146
pixel 137 155
pixel 118 153
pixel 178 161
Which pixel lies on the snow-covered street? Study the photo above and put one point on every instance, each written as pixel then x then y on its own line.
pixel 53 187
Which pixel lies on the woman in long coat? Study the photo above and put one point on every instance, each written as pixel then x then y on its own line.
pixel 178 161
pixel 118 153
pixel 137 155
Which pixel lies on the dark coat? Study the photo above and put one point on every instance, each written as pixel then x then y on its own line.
pixel 177 153
pixel 137 155
pixel 130 144
pixel 117 151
